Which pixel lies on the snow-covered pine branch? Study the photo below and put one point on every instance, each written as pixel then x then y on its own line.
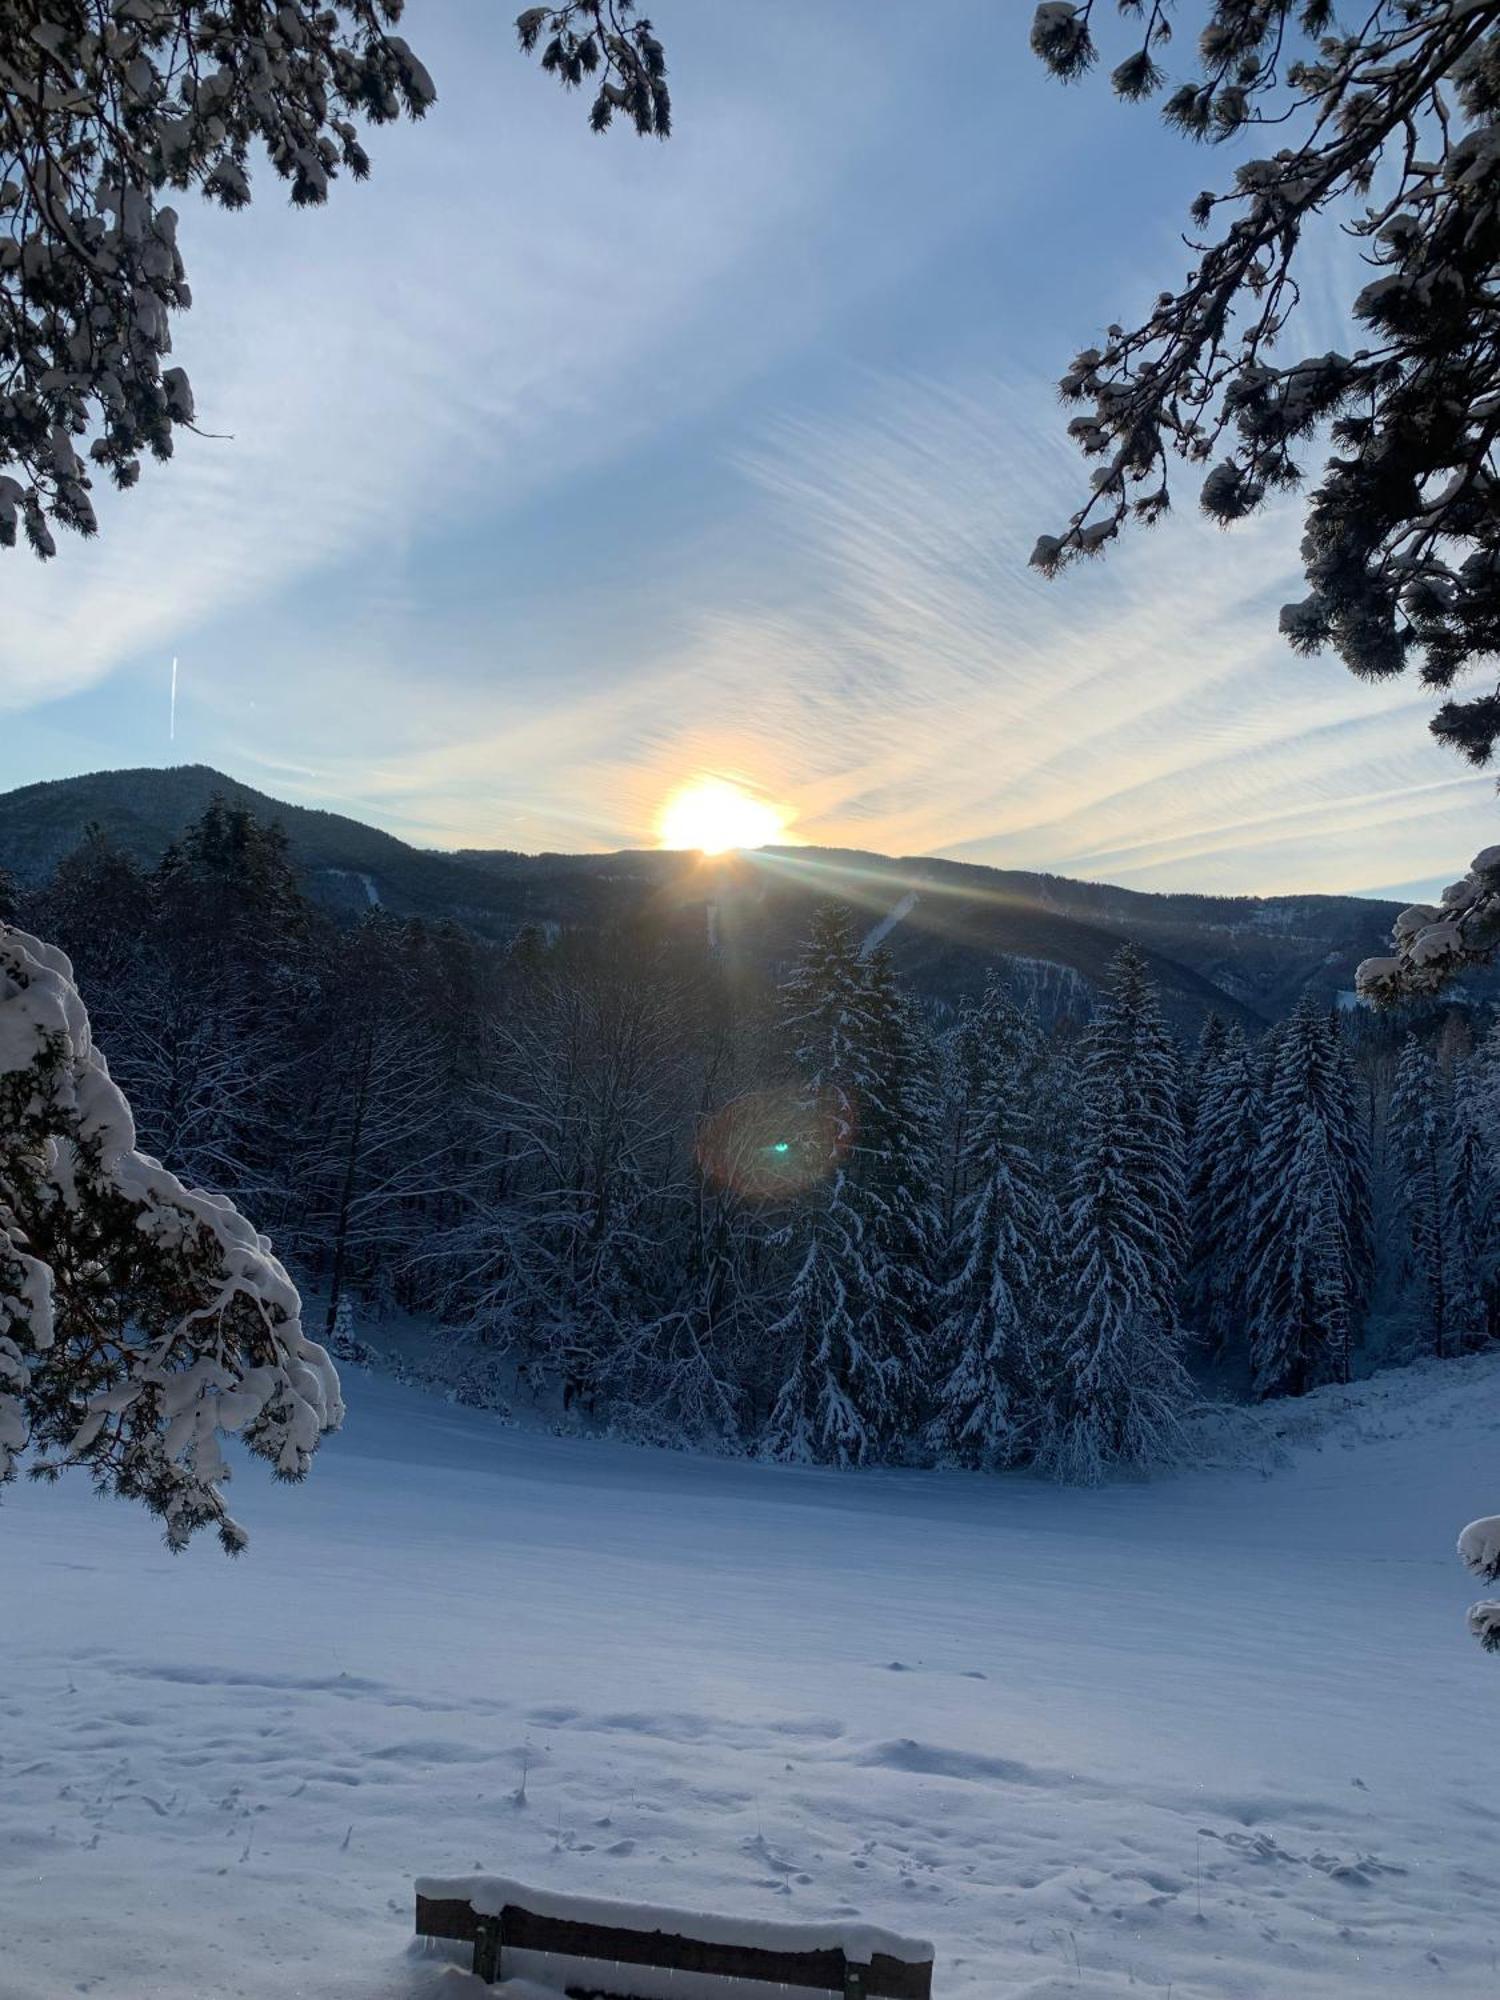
pixel 1392 126
pixel 139 1319
pixel 1479 1552
pixel 102 110
pixel 1434 942
pixel 615 48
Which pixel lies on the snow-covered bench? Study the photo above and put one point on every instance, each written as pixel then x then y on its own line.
pixel 634 1951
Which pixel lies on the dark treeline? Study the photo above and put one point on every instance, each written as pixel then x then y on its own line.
pixel 626 1182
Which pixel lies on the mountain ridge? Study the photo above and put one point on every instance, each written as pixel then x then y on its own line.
pixel 946 922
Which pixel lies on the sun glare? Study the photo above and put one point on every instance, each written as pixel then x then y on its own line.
pixel 716 816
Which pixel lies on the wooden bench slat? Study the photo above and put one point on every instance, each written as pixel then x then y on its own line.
pixel 446 1917
pixel 523 1930
pixel 520 1930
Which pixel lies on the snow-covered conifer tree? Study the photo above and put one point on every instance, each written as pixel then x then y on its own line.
pixel 1129 1043
pixel 1474 1224
pixel 1226 1132
pixel 374 1138
pixel 98 908
pixel 1204 1060
pixel 1311 1154
pixel 1346 1125
pixel 139 1319
pixel 686 1358
pixel 1485 1081
pixel 200 983
pixel 557 1257
pixel 845 1336
pixel 1471 1215
pixel 1418 1138
pixel 992 1310
pixel 1116 1387
pixel 897 1149
pixel 1302 1326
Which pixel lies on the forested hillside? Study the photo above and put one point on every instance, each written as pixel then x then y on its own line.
pixel 645 1179
pixel 945 922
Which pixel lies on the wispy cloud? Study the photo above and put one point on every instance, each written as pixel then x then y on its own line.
pixel 496 312
pixel 876 652
pixel 562 472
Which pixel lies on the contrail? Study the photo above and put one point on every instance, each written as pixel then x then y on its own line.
pixel 172 730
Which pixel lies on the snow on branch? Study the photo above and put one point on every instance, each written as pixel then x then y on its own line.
pixel 607 42
pixel 1434 942
pixel 1389 123
pixel 1479 1549
pixel 102 109
pixel 140 1319
pixel 1479 1552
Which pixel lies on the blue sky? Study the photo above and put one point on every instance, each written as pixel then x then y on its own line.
pixel 559 470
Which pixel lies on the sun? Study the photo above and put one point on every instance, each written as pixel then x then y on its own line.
pixel 715 816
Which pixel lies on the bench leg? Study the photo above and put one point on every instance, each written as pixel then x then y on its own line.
pixel 487 1949
pixel 854 1981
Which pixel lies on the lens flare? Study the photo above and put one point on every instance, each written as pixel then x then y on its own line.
pixel 773 1145
pixel 716 816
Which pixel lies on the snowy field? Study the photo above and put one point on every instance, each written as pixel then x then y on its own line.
pixel 1219 1736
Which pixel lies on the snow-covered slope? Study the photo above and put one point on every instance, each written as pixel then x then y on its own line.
pixel 1220 1736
